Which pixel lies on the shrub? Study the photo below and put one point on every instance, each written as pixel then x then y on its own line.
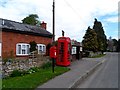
pixel 33 45
pixel 33 70
pixel 15 73
pixel 46 65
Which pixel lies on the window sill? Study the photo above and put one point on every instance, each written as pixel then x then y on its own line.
pixel 22 55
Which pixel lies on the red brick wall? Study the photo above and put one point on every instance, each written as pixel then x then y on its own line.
pixel 10 39
pixel 0 41
pixel 0 36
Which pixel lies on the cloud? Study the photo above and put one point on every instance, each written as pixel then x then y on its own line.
pixel 112 19
pixel 72 16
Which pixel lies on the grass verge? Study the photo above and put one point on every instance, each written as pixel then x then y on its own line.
pixel 33 80
pixel 98 56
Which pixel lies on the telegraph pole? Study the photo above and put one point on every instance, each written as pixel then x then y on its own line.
pixel 53 59
pixel 53 20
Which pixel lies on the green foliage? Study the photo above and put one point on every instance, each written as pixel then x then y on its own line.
pixel 16 73
pixel 33 46
pixel 33 70
pixel 98 56
pixel 95 39
pixel 90 40
pixel 32 80
pixel 50 45
pixel 115 44
pixel 31 19
pixel 119 45
pixel 46 65
pixel 101 37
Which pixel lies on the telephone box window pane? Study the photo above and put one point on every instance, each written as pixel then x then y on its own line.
pixel 61 52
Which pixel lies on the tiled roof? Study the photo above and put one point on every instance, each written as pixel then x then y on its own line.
pixel 12 26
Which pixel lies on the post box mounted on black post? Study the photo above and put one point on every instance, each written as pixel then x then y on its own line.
pixel 53 56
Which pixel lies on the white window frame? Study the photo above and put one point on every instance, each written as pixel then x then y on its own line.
pixel 43 48
pixel 22 48
pixel 0 48
pixel 74 50
pixel 81 49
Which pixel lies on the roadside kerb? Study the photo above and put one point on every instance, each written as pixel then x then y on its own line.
pixel 85 75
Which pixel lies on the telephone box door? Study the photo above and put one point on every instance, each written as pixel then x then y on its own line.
pixel 63 51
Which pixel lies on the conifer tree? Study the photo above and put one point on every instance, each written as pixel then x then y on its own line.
pixel 90 40
pixel 101 37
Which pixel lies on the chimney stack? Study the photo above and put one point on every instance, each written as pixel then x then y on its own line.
pixel 43 25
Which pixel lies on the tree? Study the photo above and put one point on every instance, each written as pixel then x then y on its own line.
pixel 32 19
pixel 90 40
pixel 110 44
pixel 115 45
pixel 119 45
pixel 101 37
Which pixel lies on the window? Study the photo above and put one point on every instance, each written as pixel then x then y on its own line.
pixel 22 49
pixel 73 50
pixel 0 48
pixel 41 48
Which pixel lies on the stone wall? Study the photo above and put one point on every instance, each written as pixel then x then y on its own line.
pixel 11 65
pixel 92 54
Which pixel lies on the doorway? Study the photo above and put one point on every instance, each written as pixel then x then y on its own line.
pixel 78 52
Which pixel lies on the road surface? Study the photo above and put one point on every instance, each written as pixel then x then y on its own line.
pixel 106 76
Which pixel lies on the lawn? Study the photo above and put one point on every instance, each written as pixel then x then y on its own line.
pixel 33 80
pixel 0 84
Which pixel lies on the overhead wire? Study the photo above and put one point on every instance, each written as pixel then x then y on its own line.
pixel 73 9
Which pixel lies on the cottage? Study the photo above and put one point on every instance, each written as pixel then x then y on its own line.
pixel 15 38
pixel 76 50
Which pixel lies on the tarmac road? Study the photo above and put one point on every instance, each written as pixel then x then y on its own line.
pixel 106 76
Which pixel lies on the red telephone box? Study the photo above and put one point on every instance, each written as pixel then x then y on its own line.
pixel 63 51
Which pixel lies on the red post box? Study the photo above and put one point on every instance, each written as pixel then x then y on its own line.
pixel 53 52
pixel 63 51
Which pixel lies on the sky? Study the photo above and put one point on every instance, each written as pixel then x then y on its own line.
pixel 72 16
